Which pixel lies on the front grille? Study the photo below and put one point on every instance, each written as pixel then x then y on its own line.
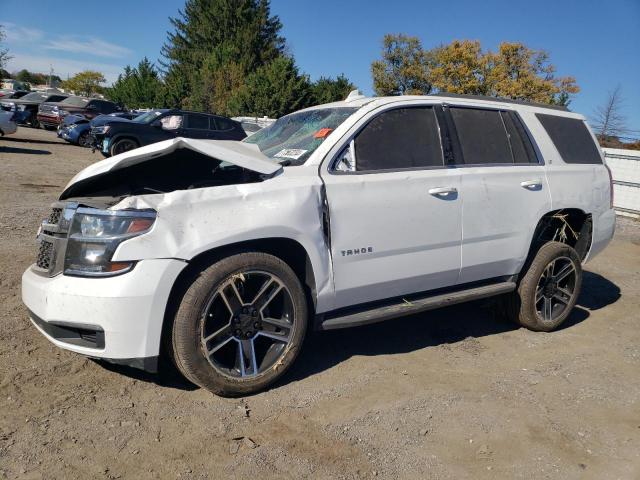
pixel 54 216
pixel 45 255
pixel 53 239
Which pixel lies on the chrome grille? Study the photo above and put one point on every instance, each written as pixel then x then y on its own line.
pixel 45 255
pixel 54 216
pixel 52 239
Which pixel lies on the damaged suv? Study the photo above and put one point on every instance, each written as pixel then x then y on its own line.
pixel 222 254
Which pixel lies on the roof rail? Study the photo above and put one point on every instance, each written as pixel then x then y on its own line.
pixel 503 100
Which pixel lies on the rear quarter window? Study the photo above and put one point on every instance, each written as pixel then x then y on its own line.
pixel 571 138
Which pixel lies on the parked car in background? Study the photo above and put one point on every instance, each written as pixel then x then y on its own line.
pixel 76 129
pixel 51 114
pixel 8 94
pixel 114 138
pixel 7 123
pixel 26 108
pixel 253 124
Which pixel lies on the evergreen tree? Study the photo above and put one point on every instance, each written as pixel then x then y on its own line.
pixel 213 34
pixel 273 90
pixel 326 89
pixel 138 87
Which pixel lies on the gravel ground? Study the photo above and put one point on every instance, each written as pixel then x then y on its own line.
pixel 451 394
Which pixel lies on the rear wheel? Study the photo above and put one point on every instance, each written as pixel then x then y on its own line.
pixel 123 145
pixel 548 290
pixel 240 324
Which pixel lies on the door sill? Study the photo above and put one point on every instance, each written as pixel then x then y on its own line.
pixel 399 307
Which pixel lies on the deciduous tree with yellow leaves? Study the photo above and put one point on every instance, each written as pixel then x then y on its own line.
pixel 514 71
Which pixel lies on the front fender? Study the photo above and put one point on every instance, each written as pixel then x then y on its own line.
pixel 191 222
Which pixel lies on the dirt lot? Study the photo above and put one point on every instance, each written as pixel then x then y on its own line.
pixel 449 394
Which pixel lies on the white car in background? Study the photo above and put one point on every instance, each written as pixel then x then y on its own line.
pixel 7 124
pixel 221 254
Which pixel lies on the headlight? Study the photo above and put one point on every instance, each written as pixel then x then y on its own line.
pixel 10 105
pixel 101 130
pixel 55 108
pixel 94 237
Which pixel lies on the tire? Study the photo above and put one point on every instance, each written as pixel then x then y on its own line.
pixel 84 140
pixel 231 349
pixel 34 123
pixel 538 288
pixel 122 145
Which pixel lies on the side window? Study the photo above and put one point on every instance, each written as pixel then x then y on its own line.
pixel 521 146
pixel 108 107
pixel 171 122
pixel 571 138
pixel 220 123
pixel 198 122
pixel 482 136
pixel 397 139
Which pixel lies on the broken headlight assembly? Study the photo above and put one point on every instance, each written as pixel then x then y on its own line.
pixel 101 130
pixel 94 237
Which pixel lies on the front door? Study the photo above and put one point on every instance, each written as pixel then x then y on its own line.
pixel 395 213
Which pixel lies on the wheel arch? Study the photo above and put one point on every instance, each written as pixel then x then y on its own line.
pixel 124 136
pixel 571 226
pixel 292 252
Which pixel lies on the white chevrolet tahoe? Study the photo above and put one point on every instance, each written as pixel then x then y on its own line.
pixel 222 254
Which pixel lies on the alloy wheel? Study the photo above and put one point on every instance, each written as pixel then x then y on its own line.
pixel 555 289
pixel 247 324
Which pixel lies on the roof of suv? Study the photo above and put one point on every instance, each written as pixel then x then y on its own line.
pixel 358 101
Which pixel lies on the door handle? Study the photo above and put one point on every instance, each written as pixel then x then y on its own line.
pixel 442 191
pixel 531 184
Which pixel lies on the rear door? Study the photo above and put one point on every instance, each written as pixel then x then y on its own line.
pixel 196 126
pixel 395 213
pixel 225 129
pixel 503 187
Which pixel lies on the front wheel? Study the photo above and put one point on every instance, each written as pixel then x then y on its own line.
pixel 121 146
pixel 240 324
pixel 548 290
pixel 84 140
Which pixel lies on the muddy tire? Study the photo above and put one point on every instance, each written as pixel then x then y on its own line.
pixel 240 324
pixel 547 290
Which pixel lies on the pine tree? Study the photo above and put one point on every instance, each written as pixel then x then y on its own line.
pixel 138 87
pixel 326 89
pixel 273 90
pixel 215 33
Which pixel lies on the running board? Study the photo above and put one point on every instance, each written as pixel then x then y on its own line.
pixel 416 305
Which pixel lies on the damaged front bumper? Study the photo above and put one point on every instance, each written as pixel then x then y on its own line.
pixel 118 319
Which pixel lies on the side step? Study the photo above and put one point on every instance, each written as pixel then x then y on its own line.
pixel 416 305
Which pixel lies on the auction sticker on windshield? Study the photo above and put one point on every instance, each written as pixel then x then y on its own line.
pixel 294 153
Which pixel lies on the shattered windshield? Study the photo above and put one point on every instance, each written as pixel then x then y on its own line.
pixel 295 137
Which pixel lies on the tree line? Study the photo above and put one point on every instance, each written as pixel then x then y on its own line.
pixel 229 57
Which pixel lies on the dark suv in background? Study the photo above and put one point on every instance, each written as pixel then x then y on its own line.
pixel 160 124
pixel 50 114
pixel 26 108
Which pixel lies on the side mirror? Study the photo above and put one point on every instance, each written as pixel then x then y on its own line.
pixel 156 123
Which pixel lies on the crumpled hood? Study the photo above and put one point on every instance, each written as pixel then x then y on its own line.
pixel 245 155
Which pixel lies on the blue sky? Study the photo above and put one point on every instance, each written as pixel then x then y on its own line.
pixel 597 42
